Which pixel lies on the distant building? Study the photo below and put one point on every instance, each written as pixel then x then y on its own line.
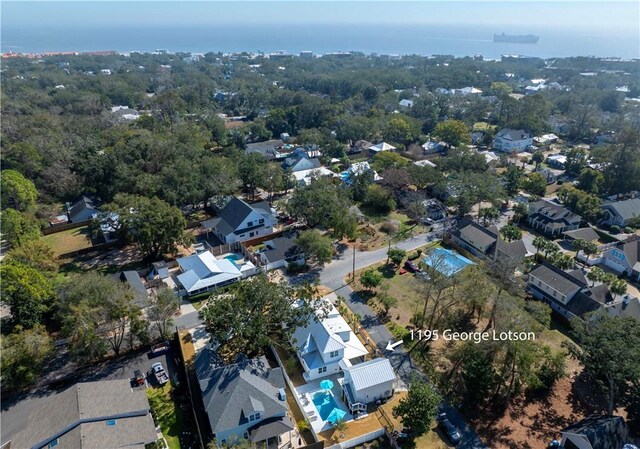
pixel 624 258
pixel 487 242
pixel 551 218
pixel 512 140
pixel 268 149
pixel 383 146
pixel 406 104
pixel 105 71
pixel 431 147
pixel 125 113
pixel 557 161
pixel 82 210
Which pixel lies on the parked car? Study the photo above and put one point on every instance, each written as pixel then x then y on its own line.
pixel 160 348
pixel 138 377
pixel 449 429
pixel 159 373
pixel 411 267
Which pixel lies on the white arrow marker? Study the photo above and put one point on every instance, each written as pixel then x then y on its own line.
pixel 390 345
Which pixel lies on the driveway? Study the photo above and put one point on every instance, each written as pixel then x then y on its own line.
pixel 16 409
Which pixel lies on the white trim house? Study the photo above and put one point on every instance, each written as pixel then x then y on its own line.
pixel 327 346
pixel 367 382
pixel 509 140
pixel 240 221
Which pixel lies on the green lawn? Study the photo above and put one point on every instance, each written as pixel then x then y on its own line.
pixel 69 240
pixel 168 416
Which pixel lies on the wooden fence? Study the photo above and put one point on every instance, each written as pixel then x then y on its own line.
pixel 65 227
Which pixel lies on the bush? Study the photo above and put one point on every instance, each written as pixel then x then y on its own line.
pixel 295 268
pixel 615 229
pixel 628 230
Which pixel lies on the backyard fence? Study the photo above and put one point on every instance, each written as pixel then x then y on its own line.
pixel 65 227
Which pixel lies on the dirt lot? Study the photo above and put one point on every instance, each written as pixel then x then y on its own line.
pixel 69 240
pixel 371 237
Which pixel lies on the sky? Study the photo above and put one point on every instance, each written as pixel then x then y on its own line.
pixel 582 15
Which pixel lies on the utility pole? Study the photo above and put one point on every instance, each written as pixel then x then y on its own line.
pixel 353 271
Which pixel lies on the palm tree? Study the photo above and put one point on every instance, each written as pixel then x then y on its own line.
pixel 539 243
pixel 537 158
pixel 618 287
pixel 340 426
pixel 590 248
pixel 520 210
pixel 595 275
pixel 579 245
pixel 489 213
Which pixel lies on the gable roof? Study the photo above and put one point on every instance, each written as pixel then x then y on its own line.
pixel 626 210
pixel 548 212
pixel 232 392
pixel 603 432
pixel 371 373
pixel 82 209
pixel 280 248
pixel 234 213
pixel 382 146
pixel 560 280
pixel 471 231
pixel 631 250
pixel 267 149
pixel 78 416
pixel 132 278
pixel 513 134
pixel 586 234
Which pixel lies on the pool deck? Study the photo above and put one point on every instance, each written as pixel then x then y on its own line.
pixel 305 393
pixel 451 262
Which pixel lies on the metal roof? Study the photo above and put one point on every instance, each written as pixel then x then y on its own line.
pixel 370 374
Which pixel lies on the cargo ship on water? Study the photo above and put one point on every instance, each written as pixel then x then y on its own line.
pixel 516 38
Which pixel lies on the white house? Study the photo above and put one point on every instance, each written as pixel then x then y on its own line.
pixel 300 160
pixel 105 71
pixel 304 177
pixel 509 140
pixel 239 221
pixel 327 346
pixel 367 382
pixel 431 147
pixel 382 146
pixel 358 168
pixel 624 258
pixel 406 104
pixel 202 272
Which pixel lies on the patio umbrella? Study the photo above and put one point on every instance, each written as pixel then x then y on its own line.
pixel 326 384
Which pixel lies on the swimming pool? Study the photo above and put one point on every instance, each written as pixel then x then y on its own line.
pixel 233 258
pixel 327 406
pixel 446 261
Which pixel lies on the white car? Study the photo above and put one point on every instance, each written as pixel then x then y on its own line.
pixel 160 373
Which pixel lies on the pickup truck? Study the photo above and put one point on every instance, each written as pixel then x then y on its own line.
pixel 160 373
pixel 159 348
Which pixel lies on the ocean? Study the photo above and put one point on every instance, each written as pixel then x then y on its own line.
pixel 77 28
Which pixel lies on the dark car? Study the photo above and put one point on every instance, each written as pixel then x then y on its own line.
pixel 411 267
pixel 138 377
pixel 449 429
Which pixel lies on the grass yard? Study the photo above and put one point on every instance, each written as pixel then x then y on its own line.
pixel 400 287
pixel 372 238
pixel 69 240
pixel 169 417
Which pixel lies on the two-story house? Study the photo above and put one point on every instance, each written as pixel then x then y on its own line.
pixel 621 213
pixel 486 242
pixel 367 382
pixel 239 221
pixel 567 292
pixel 624 258
pixel 512 140
pixel 551 218
pixel 243 400
pixel 299 161
pixel 328 345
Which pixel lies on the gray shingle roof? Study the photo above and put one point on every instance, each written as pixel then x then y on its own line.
pixel 267 149
pixel 513 134
pixel 587 234
pixel 281 248
pixel 556 278
pixel 231 393
pixel 603 432
pixel 627 209
pixel 83 209
pixel 78 417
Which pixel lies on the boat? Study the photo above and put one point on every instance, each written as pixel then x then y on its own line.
pixel 516 38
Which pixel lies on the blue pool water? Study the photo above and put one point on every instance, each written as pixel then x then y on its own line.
pixel 233 258
pixel 327 406
pixel 446 261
